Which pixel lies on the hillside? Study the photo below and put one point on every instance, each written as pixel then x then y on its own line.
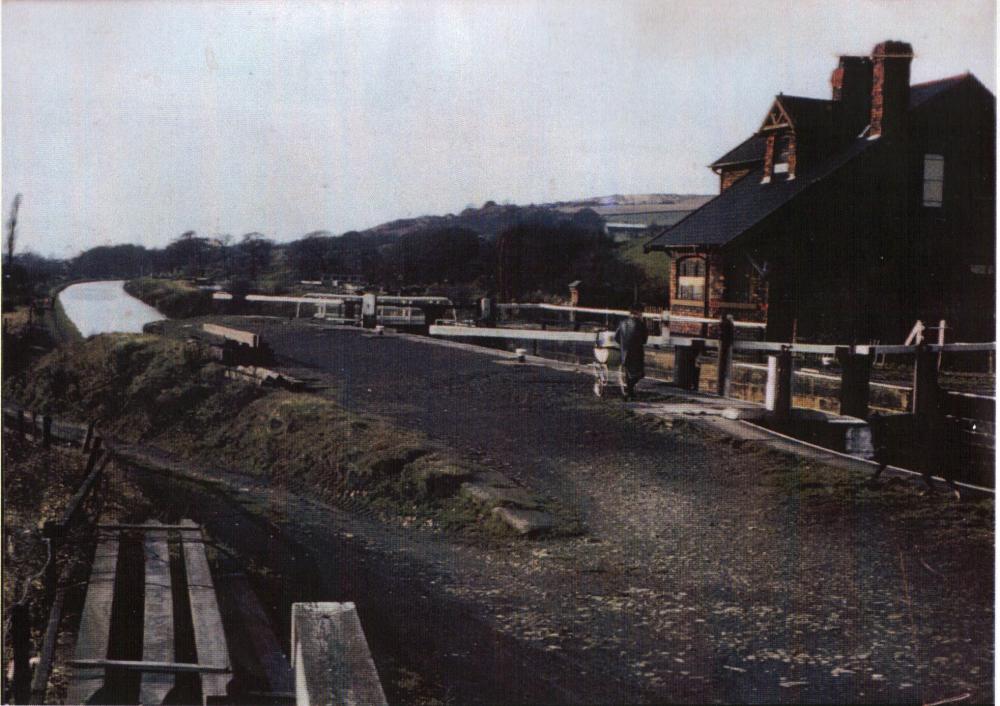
pixel 489 220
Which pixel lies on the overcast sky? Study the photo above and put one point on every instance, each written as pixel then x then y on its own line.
pixel 136 121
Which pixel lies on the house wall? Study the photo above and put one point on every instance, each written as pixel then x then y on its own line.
pixel 728 177
pixel 955 244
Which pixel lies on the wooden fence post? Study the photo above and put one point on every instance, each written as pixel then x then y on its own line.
pixel 90 437
pixel 925 382
pixel 778 395
pixel 20 628
pixel 95 455
pixel 727 333
pixel 855 376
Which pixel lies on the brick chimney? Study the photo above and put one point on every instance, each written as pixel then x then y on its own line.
pixel 890 87
pixel 852 92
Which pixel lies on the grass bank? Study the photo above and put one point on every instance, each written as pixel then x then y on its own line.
pixel 174 298
pixel 168 393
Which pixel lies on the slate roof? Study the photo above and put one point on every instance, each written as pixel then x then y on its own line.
pixel 748 202
pixel 750 150
pixel 920 93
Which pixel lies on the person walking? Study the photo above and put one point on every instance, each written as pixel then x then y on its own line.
pixel 631 337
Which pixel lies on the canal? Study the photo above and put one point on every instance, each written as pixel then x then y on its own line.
pixel 105 307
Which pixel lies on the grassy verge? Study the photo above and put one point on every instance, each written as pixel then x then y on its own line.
pixel 60 326
pixel 175 299
pixel 147 388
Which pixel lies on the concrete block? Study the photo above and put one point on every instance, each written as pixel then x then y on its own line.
pixel 525 522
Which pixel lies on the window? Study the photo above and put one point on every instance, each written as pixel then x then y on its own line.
pixel 691 279
pixel 933 180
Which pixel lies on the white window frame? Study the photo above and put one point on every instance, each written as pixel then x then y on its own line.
pixel 933 185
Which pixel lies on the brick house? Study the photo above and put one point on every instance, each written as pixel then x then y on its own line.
pixel 847 219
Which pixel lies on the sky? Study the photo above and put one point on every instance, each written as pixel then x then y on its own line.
pixel 134 121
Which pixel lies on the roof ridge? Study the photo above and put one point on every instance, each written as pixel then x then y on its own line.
pixel 955 77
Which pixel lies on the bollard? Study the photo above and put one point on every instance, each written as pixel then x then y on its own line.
pixel 487 312
pixel 686 369
pixel 46 431
pixel 854 379
pixel 369 311
pixel 727 333
pixel 925 383
pixel 778 395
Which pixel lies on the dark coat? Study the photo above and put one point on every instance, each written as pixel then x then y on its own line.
pixel 631 336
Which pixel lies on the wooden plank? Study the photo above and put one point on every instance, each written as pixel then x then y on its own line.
pixel 266 647
pixel 209 635
pixel 512 333
pixel 95 624
pixel 232 334
pixel 158 618
pixel 152 667
pixel 331 658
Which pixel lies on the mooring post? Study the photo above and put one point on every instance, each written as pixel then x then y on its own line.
pixel 778 395
pixel 925 383
pixel 46 431
pixel 854 378
pixel 727 333
pixel 20 628
pixel 686 370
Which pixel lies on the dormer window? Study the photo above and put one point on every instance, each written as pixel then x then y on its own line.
pixel 933 180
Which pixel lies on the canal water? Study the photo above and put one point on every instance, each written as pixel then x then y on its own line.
pixel 105 307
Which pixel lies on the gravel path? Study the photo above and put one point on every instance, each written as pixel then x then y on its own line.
pixel 711 569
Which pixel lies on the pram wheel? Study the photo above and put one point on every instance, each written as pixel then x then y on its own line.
pixel 600 379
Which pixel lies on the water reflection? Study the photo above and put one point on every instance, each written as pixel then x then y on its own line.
pixel 105 307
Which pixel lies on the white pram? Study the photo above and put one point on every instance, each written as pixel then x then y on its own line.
pixel 607 354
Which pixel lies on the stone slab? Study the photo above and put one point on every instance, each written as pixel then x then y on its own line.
pixel 525 522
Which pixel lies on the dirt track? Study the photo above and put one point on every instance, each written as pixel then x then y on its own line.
pixel 711 569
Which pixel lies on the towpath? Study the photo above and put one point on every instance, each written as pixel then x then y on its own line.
pixel 712 569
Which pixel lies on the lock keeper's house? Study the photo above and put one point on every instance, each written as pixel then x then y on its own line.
pixel 847 219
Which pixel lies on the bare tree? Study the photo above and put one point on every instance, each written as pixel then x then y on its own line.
pixel 12 229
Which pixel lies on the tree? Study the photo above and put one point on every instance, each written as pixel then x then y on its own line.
pixel 188 254
pixel 256 250
pixel 309 256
